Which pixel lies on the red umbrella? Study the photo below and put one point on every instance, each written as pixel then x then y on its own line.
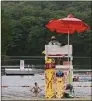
pixel 67 25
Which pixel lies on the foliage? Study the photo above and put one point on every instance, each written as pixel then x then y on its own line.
pixel 6 33
pixel 24 31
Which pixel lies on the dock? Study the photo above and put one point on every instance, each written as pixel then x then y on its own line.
pixel 23 72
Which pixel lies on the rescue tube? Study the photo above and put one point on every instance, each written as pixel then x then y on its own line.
pixel 59 84
pixel 49 85
pixel 59 87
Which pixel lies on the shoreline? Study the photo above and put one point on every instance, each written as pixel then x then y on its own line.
pixel 52 99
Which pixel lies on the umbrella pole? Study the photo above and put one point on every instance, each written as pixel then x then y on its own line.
pixel 68 57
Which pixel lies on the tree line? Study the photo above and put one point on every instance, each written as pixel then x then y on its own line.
pixel 23 30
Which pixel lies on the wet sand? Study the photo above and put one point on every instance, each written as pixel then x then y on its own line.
pixel 44 99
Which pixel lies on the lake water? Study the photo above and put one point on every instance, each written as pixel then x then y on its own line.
pixel 15 89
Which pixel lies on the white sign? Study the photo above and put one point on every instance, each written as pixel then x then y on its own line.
pixel 22 65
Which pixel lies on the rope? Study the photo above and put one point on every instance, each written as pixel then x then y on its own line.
pixel 6 86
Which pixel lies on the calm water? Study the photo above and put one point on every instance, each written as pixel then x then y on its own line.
pixel 16 91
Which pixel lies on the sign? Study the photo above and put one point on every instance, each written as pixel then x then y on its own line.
pixel 22 65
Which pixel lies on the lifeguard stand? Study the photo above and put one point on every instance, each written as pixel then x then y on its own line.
pixel 63 59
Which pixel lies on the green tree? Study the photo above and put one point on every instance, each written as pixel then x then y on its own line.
pixel 6 33
pixel 28 20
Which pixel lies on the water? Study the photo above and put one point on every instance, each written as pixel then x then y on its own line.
pixel 85 78
pixel 16 91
